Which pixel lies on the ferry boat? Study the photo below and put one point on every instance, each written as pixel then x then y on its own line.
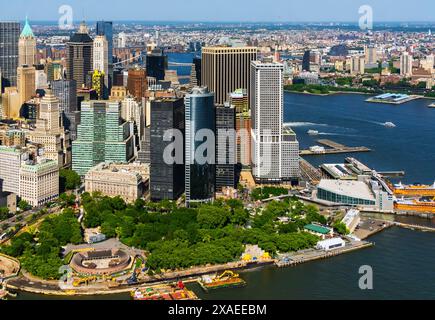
pixel 228 279
pixel 165 292
pixel 313 132
pixel 415 190
pixel 389 125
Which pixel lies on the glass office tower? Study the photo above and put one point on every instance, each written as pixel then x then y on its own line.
pixel 9 36
pixel 101 136
pixel 157 63
pixel 105 28
pixel 166 180
pixel 199 177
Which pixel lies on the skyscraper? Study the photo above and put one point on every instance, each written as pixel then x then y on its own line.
pixel 157 63
pixel 225 69
pixel 10 163
pixel 357 65
pixel 197 61
pixel 199 173
pixel 269 140
pixel 9 35
pixel 66 92
pixel 406 61
pixel 226 157
pixel 101 60
pixel 306 61
pixel 102 136
pixel 27 47
pixel 105 28
pixel 79 56
pixel 50 132
pixel 371 55
pixel 25 82
pixel 166 180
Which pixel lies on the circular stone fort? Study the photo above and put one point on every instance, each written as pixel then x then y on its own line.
pixel 9 267
pixel 102 262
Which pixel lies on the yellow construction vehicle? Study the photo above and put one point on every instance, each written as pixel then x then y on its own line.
pixel 78 282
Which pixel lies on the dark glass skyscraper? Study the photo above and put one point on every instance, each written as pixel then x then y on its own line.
pixel 157 63
pixel 197 62
pixel 79 56
pixel 9 36
pixel 226 157
pixel 306 61
pixel 166 180
pixel 66 92
pixel 199 175
pixel 105 28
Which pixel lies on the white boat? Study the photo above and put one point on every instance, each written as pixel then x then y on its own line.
pixel 389 125
pixel 432 105
pixel 313 132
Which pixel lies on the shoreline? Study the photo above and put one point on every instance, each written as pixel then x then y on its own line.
pixel 191 278
pixel 332 93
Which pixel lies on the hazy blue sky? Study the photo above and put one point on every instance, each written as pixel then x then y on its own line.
pixel 220 10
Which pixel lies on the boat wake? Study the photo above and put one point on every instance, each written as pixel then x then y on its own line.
pixel 305 124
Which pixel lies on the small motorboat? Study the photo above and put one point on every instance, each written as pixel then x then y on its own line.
pixel 389 125
pixel 313 132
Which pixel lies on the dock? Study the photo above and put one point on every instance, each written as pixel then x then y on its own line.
pixel 309 172
pixel 313 255
pixel 393 98
pixel 334 148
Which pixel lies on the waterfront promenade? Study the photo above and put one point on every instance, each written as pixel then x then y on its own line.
pixel 305 256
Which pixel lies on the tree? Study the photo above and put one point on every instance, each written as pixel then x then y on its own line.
pixel 69 179
pixel 210 216
pixel 24 205
pixel 4 213
pixel 67 199
pixel 341 228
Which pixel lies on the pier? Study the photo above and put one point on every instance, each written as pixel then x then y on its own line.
pixel 313 255
pixel 393 174
pixel 309 172
pixel 393 98
pixel 334 148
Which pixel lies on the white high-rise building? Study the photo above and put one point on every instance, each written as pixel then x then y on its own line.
pixel 10 163
pixel 371 55
pixel 121 40
pixel 275 150
pixel 406 64
pixel 101 57
pixel 33 180
pixel 357 65
pixel 50 132
pixel 39 181
pixel 428 63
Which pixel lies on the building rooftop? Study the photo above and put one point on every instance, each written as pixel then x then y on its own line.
pixel 27 31
pixel 353 189
pixel 317 229
pixel 350 216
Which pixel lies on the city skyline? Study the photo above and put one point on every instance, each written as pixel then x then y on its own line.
pixel 194 11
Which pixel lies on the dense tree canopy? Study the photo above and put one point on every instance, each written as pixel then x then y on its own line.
pixel 173 237
pixel 39 253
pixel 69 180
